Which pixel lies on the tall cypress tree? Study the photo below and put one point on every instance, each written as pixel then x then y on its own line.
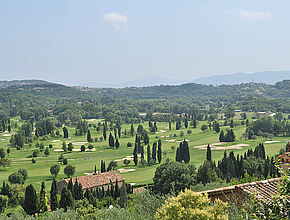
pixel 42 199
pixel 30 200
pixel 186 154
pixel 70 187
pixel 135 154
pixel 142 152
pixel 117 190
pixel 178 156
pixel 169 125
pixel 154 151
pixel 159 151
pixel 132 130
pixel 53 196
pixel 123 196
pixel 208 153
pixel 222 136
pixel 89 137
pixel 111 140
pixel 66 199
pixel 105 132
pixel 117 144
pixel 148 154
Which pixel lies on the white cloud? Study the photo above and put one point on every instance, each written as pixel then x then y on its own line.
pixel 253 16
pixel 118 21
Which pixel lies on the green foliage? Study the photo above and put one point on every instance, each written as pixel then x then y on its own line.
pixel 3 203
pixel 30 201
pixel 191 205
pixel 173 177
pixel 69 170
pixel 66 199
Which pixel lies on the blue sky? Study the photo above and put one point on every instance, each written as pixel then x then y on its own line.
pixel 75 42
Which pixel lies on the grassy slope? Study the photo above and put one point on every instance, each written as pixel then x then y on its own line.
pixel 86 161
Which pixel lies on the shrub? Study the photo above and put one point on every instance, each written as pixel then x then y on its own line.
pixel 192 205
pixel 189 131
pixel 83 148
pixel 129 144
pixel 33 160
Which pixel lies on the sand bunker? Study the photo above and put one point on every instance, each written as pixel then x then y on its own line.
pixel 270 142
pixel 58 150
pixel 121 170
pixel 214 146
pixel 6 135
pixel 79 143
pixel 55 140
pixel 1 139
pixel 161 131
pixel 173 140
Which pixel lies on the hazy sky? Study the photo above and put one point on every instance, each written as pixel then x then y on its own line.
pixel 73 42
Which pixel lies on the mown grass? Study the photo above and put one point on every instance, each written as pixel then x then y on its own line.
pixel 86 161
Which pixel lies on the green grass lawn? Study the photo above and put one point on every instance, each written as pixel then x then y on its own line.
pixel 86 161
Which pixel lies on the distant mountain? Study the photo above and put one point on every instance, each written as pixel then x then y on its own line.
pixel 150 81
pixel 7 84
pixel 268 77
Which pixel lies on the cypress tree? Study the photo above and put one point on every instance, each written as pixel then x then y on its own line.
pixel 119 130
pixel 76 189
pixel 132 130
pixel 159 151
pixel 89 137
pixel 217 127
pixel 111 140
pixel 169 125
pixel 117 144
pixel 178 156
pixel 222 136
pixel 146 138
pixel 194 123
pixel 208 153
pixel 148 154
pixel 154 151
pixel 53 196
pixel 117 190
pixel 66 199
pixel 123 196
pixel 142 152
pixel 135 154
pixel 30 200
pixel 105 132
pixel 70 187
pixel 42 199
pixel 186 123
pixel 186 154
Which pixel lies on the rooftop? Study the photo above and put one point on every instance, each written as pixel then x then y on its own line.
pixel 96 180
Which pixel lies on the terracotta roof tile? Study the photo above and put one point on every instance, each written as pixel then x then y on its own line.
pixel 93 181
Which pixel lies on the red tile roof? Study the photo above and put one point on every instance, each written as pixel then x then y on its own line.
pixel 264 189
pixel 93 181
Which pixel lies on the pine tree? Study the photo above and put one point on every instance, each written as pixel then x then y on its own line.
pixel 123 196
pixel 66 199
pixel 42 199
pixel 159 151
pixel 89 137
pixel 148 154
pixel 154 151
pixel 30 200
pixel 208 153
pixel 53 196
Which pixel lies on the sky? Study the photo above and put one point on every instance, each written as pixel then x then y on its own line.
pixel 75 42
